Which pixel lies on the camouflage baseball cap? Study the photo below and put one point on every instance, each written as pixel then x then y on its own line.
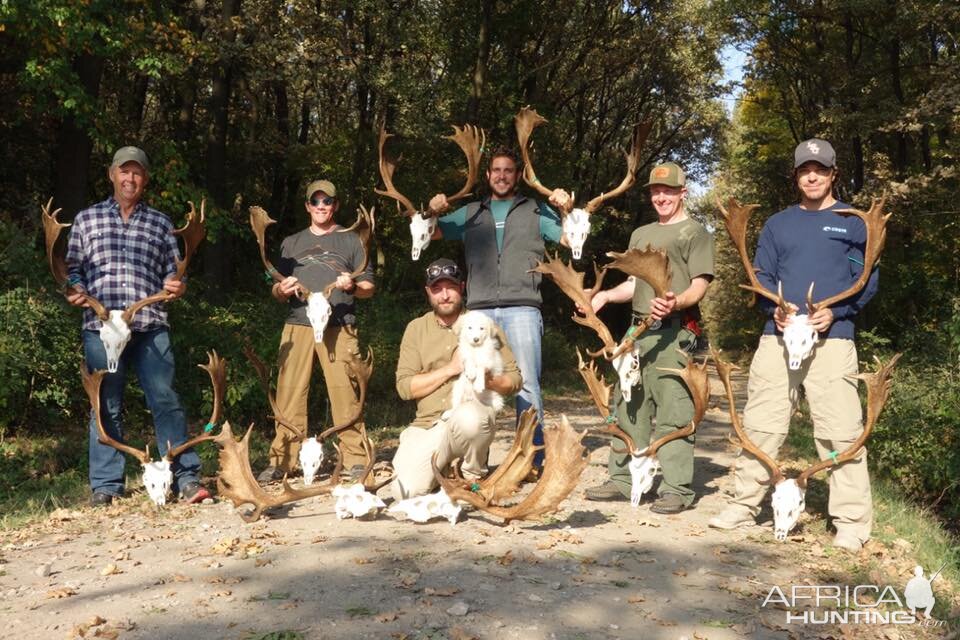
pixel 321 185
pixel 669 174
pixel 815 150
pixel 124 155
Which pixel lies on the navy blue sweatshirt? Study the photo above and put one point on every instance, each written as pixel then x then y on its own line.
pixel 797 247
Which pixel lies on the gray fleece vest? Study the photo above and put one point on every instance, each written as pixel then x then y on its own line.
pixel 501 279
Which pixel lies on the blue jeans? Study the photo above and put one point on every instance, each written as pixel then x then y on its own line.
pixel 148 354
pixel 523 327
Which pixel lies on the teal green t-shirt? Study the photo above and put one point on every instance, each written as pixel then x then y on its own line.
pixel 453 224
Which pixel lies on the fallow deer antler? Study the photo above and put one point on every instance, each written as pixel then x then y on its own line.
pixel 878 390
pixel 566 458
pixel 570 281
pixel 724 369
pixel 506 479
pixel 471 140
pixel 91 384
pixel 259 221
pixel 653 267
pixel 387 166
pixel 600 391
pixel 695 377
pixel 56 260
pixel 364 227
pixel 216 368
pixel 876 225
pixel 525 122
pixel 263 375
pixel 360 371
pixel 640 133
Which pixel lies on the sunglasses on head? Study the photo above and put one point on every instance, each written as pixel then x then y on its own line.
pixel 327 201
pixel 449 270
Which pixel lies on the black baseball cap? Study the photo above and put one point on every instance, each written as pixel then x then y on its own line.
pixel 443 269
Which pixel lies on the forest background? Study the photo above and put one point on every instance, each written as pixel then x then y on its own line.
pixel 244 101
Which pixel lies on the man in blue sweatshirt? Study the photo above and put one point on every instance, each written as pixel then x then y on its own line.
pixel 809 243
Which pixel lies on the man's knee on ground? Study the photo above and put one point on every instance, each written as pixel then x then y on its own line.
pixel 470 421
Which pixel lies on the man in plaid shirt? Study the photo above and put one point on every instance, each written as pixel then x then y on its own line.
pixel 121 251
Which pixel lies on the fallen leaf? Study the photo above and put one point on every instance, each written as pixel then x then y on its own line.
pixel 363 560
pixel 506 559
pixel 62 592
pixel 636 599
pixel 319 539
pixel 458 633
pixel 110 570
pixel 262 562
pixel 407 580
pixel 179 577
pixel 389 616
pixel 680 572
pixel 443 592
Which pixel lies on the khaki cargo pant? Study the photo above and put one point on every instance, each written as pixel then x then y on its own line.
pixel 297 350
pixel 466 434
pixel 663 396
pixel 772 396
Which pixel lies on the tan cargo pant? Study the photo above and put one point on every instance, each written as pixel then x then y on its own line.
pixel 297 350
pixel 772 396
pixel 466 434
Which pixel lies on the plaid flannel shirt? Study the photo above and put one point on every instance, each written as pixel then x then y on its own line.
pixel 121 262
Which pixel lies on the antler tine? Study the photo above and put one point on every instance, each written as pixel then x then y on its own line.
pixel 525 122
pixel 878 390
pixel 724 369
pixel 471 140
pixel 193 233
pixel 259 221
pixel 735 218
pixel 695 377
pixel 91 384
pixel 56 259
pixel 570 281
pixel 600 392
pixel 263 376
pixel 640 133
pixel 364 228
pixel 216 368
pixel 876 224
pixel 387 166
pixel 359 370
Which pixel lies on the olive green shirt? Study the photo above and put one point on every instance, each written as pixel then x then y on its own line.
pixel 428 345
pixel 689 247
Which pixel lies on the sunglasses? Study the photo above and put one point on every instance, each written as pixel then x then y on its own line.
pixel 322 201
pixel 448 270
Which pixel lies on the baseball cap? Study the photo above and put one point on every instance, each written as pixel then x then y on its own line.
pixel 321 185
pixel 124 155
pixel 669 174
pixel 443 269
pixel 816 150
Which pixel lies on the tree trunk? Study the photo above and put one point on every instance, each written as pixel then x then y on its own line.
pixel 74 145
pixel 282 114
pixel 483 58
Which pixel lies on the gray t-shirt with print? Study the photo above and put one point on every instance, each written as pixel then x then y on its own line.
pixel 317 260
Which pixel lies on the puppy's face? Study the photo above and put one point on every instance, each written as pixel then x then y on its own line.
pixel 474 329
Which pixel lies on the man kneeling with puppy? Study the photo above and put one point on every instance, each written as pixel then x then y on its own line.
pixel 429 365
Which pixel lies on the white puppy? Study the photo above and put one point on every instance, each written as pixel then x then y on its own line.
pixel 479 349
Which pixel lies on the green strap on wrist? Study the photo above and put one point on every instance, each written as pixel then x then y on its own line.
pixel 475 487
pixel 632 330
pixel 833 455
pixel 209 427
pixel 610 419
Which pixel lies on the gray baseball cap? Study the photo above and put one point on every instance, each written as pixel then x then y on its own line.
pixel 815 150
pixel 124 155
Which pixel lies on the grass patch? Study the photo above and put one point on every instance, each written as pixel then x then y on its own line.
pixel 358 612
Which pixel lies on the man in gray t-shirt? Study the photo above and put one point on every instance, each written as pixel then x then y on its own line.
pixel 321 254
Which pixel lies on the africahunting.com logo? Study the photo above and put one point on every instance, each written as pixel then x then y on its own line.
pixel 860 604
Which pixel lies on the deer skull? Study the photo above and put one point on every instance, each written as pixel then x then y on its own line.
pixel 576 227
pixel 627 366
pixel 157 478
pixel 114 334
pixel 318 313
pixel 422 229
pixel 800 338
pixel 788 504
pixel 425 508
pixel 643 469
pixel 355 501
pixel 311 457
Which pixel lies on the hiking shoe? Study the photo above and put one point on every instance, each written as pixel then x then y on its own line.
pixel 668 504
pixel 733 517
pixel 270 474
pixel 193 492
pixel 533 475
pixel 100 499
pixel 357 472
pixel 848 542
pixel 609 490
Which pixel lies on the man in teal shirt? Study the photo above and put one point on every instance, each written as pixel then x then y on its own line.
pixel 503 237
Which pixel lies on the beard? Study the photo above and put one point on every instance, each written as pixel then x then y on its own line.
pixel 447 309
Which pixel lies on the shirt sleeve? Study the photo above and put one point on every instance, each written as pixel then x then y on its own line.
pixel 76 256
pixel 550 226
pixel 173 254
pixel 409 363
pixel 510 368
pixel 700 261
pixel 453 224
pixel 766 264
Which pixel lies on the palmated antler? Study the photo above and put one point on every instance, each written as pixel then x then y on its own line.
pixel 878 390
pixel 506 479
pixel 91 384
pixel 471 140
pixel 259 221
pixel 566 458
pixel 653 267
pixel 640 133
pixel 600 391
pixel 525 122
pixel 876 224
pixel 695 377
pixel 193 232
pixel 724 369
pixel 364 227
pixel 570 282
pixel 56 259
pixel 387 166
